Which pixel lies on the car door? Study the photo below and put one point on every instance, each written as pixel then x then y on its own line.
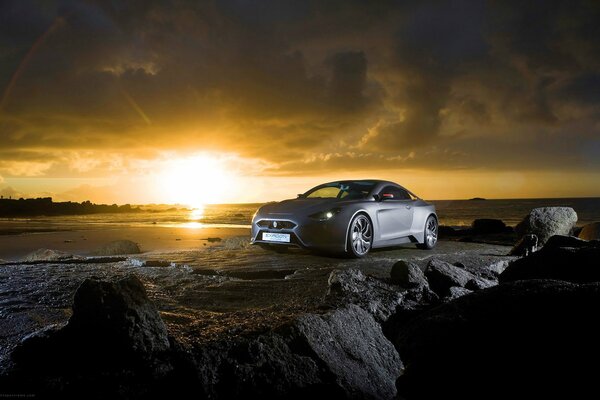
pixel 395 213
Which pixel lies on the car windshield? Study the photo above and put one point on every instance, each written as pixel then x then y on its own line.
pixel 346 190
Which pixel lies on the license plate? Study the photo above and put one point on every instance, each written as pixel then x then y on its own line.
pixel 276 237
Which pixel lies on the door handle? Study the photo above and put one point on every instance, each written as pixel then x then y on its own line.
pixel 408 207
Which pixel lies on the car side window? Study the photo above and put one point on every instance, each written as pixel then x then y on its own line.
pixel 394 193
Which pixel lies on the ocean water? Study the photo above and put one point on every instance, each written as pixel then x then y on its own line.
pixel 450 212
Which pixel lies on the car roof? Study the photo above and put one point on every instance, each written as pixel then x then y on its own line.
pixel 375 181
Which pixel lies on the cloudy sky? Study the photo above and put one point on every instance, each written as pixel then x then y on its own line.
pixel 161 101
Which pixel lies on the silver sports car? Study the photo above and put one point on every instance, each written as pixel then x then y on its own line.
pixel 349 217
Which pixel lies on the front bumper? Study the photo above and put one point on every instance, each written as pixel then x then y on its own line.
pixel 307 233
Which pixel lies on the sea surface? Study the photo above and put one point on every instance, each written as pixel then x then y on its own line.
pixel 455 213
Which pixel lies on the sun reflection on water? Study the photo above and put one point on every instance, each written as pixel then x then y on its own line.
pixel 194 218
pixel 197 213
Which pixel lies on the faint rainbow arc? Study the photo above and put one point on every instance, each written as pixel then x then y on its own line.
pixel 58 21
pixel 13 80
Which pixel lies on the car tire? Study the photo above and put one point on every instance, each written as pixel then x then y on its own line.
pixel 430 234
pixel 360 236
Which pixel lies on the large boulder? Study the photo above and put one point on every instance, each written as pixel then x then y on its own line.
pixel 114 343
pixel 545 222
pixel 109 317
pixel 590 231
pixel 119 312
pixel 352 346
pixel 563 257
pixel 530 338
pixel 339 354
pixel 442 276
pixel 117 247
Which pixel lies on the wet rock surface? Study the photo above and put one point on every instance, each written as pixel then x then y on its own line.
pixel 351 286
pixel 239 320
pixel 342 353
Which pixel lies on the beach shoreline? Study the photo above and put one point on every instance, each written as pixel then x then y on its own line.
pixel 84 241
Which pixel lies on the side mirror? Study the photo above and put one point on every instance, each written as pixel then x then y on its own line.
pixel 300 195
pixel 376 197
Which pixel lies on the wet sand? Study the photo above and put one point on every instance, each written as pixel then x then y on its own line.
pixel 84 241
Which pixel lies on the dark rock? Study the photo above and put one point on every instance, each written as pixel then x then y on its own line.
pixel 548 221
pixel 446 231
pixel 120 312
pixel 535 338
pixel 346 281
pixel 590 231
pixel 351 286
pixel 455 292
pixel 407 275
pixel 488 225
pixel 423 296
pixel 442 276
pixel 478 283
pixel 493 271
pixel 114 345
pixel 117 247
pixel 117 317
pixel 525 246
pixel 341 354
pixel 568 241
pixel 574 264
pixel 352 346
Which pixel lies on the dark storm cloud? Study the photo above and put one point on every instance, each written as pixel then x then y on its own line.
pixel 305 85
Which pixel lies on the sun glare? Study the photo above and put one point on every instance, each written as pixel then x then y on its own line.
pixel 196 181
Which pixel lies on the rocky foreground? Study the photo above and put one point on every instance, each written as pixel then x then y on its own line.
pixel 508 326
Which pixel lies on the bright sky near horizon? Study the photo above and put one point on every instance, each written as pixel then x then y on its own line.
pixel 235 102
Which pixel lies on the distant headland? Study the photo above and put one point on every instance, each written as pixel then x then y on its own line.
pixel 477 199
pixel 45 206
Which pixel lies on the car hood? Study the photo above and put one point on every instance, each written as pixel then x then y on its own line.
pixel 298 206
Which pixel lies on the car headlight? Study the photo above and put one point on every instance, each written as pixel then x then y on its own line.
pixel 326 215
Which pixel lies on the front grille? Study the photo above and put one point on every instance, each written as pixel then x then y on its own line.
pixel 277 224
pixel 294 240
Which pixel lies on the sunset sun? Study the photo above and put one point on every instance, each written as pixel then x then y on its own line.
pixel 196 181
